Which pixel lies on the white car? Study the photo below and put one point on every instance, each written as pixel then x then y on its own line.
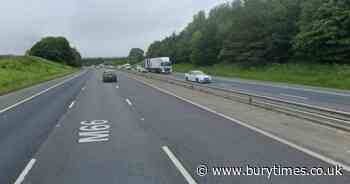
pixel 198 76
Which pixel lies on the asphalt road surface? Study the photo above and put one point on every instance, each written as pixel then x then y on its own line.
pixel 309 95
pixel 87 131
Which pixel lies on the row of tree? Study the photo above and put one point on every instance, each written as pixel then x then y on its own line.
pixel 263 31
pixel 136 55
pixel 56 49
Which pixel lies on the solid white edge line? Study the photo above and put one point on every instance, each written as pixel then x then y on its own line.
pixel 72 105
pixel 281 140
pixel 25 171
pixel 38 94
pixel 179 166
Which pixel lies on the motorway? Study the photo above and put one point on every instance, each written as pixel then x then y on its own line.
pixel 333 99
pixel 87 131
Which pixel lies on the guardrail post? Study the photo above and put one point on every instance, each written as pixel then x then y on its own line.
pixel 250 100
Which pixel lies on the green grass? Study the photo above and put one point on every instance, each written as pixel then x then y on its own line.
pixel 20 72
pixel 321 75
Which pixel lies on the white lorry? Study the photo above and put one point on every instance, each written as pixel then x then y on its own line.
pixel 158 65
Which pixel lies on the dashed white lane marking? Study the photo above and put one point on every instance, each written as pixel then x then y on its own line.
pixel 179 166
pixel 40 93
pixel 128 101
pixel 267 134
pixel 26 170
pixel 142 119
pixel 83 89
pixel 294 96
pixel 72 105
pixel 117 86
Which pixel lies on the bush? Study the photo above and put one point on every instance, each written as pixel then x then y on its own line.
pixel 56 49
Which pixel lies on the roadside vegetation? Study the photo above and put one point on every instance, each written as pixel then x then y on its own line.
pixel 136 56
pixel 120 61
pixel 56 49
pixel 322 75
pixel 296 41
pixel 108 61
pixel 23 71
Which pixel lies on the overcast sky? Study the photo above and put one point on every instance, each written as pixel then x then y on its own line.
pixel 96 27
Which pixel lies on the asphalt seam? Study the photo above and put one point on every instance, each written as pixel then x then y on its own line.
pixel 267 134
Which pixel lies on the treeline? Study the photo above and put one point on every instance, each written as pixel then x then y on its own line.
pixel 136 55
pixel 56 49
pixel 107 61
pixel 263 31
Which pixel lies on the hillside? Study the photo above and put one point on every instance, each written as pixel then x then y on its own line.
pixel 24 71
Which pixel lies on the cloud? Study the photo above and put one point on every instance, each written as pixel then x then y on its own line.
pixel 96 27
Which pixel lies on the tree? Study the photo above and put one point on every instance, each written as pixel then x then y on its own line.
pixel 136 55
pixel 196 46
pixel 56 49
pixel 247 41
pixel 325 31
pixel 262 31
pixel 77 61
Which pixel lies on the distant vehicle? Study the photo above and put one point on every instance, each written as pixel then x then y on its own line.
pixel 141 69
pixel 110 67
pixel 109 76
pixel 198 76
pixel 158 65
pixel 133 68
pixel 125 66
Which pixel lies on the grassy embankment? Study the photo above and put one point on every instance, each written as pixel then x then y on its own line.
pixel 321 75
pixel 20 72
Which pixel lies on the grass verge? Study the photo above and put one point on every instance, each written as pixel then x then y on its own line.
pixel 24 71
pixel 320 75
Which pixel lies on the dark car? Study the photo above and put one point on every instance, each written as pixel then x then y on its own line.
pixel 109 76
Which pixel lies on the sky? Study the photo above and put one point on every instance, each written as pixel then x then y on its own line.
pixel 97 28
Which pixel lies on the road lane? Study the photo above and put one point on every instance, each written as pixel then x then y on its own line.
pixel 125 154
pixel 197 137
pixel 24 127
pixel 330 99
pixel 130 144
